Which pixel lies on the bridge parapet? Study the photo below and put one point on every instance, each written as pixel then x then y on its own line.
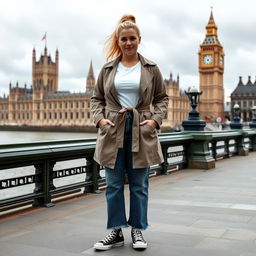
pixel 181 150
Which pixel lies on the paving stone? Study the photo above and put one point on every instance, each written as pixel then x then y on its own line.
pixel 226 245
pixel 240 234
pixel 25 250
pixel 180 229
pixel 191 213
pixel 218 223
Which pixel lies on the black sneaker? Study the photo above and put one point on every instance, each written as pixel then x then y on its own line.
pixel 113 239
pixel 138 241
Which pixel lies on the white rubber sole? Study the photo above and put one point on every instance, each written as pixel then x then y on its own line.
pixel 101 247
pixel 140 246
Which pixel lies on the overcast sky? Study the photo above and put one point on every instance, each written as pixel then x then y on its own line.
pixel 171 31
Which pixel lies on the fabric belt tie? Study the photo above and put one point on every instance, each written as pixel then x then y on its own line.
pixel 120 125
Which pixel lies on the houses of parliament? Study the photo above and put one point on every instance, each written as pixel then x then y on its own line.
pixel 44 105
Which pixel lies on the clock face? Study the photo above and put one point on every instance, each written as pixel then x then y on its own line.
pixel 207 59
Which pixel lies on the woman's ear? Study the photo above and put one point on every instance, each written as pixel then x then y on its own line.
pixel 139 39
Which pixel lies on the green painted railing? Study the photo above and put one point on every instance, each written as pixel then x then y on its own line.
pixel 181 150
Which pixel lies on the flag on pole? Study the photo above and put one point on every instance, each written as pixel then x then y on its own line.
pixel 44 37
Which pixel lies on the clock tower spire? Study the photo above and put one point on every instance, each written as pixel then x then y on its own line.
pixel 211 69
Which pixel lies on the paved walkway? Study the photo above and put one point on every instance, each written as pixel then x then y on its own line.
pixel 192 213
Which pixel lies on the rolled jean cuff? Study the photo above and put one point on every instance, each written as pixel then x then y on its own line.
pixel 144 228
pixel 117 227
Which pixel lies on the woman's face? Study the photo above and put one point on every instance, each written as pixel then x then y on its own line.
pixel 128 42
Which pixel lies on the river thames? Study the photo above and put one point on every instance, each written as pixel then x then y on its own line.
pixel 14 137
pixel 11 137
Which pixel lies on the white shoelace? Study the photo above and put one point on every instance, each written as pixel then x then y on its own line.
pixel 110 236
pixel 138 235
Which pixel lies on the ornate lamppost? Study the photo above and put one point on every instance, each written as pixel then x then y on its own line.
pixel 193 123
pixel 236 124
pixel 253 123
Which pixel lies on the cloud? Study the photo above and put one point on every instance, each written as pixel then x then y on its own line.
pixel 171 34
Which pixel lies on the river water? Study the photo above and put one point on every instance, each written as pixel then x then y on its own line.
pixel 10 137
pixel 13 137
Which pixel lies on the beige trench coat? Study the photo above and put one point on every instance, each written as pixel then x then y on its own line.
pixel 146 149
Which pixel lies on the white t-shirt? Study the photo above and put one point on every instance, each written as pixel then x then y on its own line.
pixel 127 83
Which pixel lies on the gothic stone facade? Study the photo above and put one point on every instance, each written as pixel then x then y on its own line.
pixel 245 96
pixel 178 107
pixel 43 105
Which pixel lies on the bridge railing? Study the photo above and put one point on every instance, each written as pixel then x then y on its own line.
pixel 225 144
pixel 181 150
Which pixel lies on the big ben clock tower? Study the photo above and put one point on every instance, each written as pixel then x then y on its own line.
pixel 211 69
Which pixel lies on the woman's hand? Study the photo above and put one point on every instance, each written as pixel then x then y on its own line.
pixel 103 122
pixel 152 123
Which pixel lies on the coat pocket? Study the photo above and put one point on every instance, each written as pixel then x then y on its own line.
pixel 104 128
pixel 147 131
pixel 150 128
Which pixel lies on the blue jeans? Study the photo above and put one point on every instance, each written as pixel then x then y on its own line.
pixel 138 185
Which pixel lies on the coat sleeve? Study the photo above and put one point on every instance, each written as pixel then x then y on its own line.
pixel 160 100
pixel 98 100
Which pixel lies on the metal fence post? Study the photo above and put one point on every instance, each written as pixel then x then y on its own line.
pixel 214 149
pixel 241 149
pixel 51 165
pixel 42 185
pixel 92 175
pixel 253 142
pixel 164 165
pixel 226 143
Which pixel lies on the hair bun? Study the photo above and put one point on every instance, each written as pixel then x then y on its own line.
pixel 112 48
pixel 127 17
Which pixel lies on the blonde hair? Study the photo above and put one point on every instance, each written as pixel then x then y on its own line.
pixel 112 48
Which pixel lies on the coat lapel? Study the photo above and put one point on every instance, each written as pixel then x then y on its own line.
pixel 146 77
pixel 111 78
pixel 113 90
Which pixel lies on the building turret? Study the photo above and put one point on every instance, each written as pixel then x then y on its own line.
pixel 90 81
pixel 249 83
pixel 240 83
pixel 57 56
pixel 34 54
pixel 57 68
pixel 45 73
pixel 45 51
pixel 171 77
pixel 33 65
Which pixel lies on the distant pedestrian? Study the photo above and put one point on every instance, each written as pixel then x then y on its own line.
pixel 128 105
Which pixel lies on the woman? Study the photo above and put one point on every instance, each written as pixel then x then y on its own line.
pixel 127 137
